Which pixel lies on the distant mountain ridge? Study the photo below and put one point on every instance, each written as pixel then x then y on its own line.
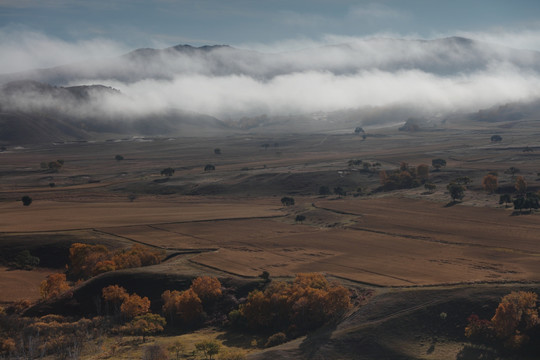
pixel 444 56
pixel 46 115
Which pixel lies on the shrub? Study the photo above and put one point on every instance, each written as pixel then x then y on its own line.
pixel 287 201
pixel 119 158
pixel 26 200
pixel 276 339
pixel 209 167
pixel 24 260
pixel 300 218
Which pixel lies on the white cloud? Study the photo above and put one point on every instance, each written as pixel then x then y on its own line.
pixel 438 76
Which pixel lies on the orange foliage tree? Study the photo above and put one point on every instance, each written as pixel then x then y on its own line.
pixel 53 286
pixel 490 183
pixel 521 185
pixel 185 305
pixel 90 260
pixel 516 314
pixel 308 302
pixel 207 288
pixel 114 296
pixel 134 305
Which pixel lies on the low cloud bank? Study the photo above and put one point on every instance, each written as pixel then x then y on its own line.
pixel 437 77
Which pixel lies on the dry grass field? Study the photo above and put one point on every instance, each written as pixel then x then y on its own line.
pixel 232 223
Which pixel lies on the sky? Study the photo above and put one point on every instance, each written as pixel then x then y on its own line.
pixel 48 33
pixel 161 23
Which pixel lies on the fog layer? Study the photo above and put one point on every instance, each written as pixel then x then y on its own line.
pixel 436 77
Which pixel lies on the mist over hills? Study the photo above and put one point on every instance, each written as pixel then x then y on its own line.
pixel 185 90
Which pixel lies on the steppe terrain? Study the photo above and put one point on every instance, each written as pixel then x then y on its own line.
pixel 417 253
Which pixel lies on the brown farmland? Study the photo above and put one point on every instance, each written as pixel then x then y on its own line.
pixel 230 222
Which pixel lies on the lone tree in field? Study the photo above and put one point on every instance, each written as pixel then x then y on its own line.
pixel 359 130
pixel 26 200
pixel 287 201
pixel 490 183
pixel 496 138
pixel 208 348
pixel 457 192
pixel 167 171
pixel 438 164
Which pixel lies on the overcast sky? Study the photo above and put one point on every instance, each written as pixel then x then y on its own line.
pixel 159 23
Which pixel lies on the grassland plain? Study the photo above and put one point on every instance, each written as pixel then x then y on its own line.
pixel 416 255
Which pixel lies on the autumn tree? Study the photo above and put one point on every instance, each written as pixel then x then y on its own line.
pixel 521 185
pixel 490 183
pixel 134 305
pixel 306 303
pixel 207 288
pixel 516 314
pixel 114 296
pixel 53 286
pixel 185 305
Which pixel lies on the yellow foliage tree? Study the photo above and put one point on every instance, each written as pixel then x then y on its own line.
pixel 53 286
